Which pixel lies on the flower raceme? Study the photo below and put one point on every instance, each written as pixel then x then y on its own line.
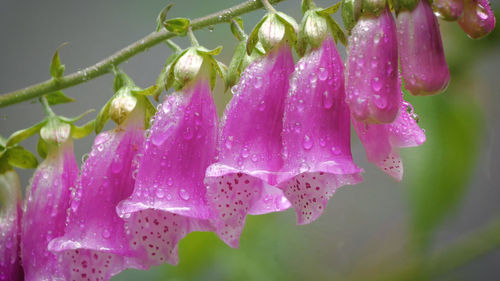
pixel 95 245
pixel 10 227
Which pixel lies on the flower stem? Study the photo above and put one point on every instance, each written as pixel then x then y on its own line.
pixel 105 66
pixel 268 6
pixel 239 30
pixel 46 106
pixel 192 38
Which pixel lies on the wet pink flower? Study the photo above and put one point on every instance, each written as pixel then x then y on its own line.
pixel 382 141
pixel 46 205
pixel 94 245
pixel 423 65
pixel 316 133
pixel 10 228
pixel 168 200
pixel 449 9
pixel 478 19
pixel 250 144
pixel 372 69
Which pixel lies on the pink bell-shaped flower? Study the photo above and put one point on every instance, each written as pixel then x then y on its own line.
pixel 10 228
pixel 168 200
pixel 382 141
pixel 372 69
pixel 95 245
pixel 250 145
pixel 478 19
pixel 423 65
pixel 46 205
pixel 316 133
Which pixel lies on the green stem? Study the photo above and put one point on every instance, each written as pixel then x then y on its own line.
pixel 268 6
pixel 141 45
pixel 46 107
pixel 239 30
pixel 192 38
pixel 174 47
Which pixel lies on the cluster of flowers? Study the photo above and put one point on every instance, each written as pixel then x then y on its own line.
pixel 283 141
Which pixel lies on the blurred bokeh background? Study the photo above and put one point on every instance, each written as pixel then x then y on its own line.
pixel 434 225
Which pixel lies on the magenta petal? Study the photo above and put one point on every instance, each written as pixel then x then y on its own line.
pixel 316 133
pixel 478 19
pixel 95 245
pixel 169 194
pixel 372 69
pixel 423 65
pixel 382 141
pixel 10 228
pixel 241 182
pixel 46 205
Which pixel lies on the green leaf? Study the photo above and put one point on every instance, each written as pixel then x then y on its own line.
pixel 254 36
pixel 234 29
pixel 41 148
pixel 102 117
pixel 291 27
pixel 337 32
pixel 23 134
pixel 162 16
pixel 145 92
pixel 177 25
pixel 286 19
pixel 233 72
pixel 78 132
pixel 56 68
pixel 330 10
pixel 75 119
pixel 58 97
pixel 170 80
pixel 19 157
pixel 150 111
pixel 205 51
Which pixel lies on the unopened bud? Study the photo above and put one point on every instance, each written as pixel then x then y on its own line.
pixel 315 28
pixel 55 132
pixel 272 32
pixel 188 66
pixel 121 107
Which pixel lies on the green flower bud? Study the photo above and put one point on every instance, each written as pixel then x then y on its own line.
pixel 188 66
pixel 122 106
pixel 315 28
pixel 55 131
pixel 271 32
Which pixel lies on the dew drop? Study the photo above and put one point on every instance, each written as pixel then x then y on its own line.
pixel 106 234
pixel 159 193
pixel 183 194
pixel 307 143
pixel 258 82
pixel 327 100
pixel 313 78
pixel 481 12
pixel 188 133
pixel 244 152
pixel 322 74
pixel 85 157
pixel 170 181
pixel 211 28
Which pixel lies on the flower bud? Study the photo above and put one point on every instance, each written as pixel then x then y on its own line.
pixel 122 106
pixel 423 65
pixel 188 66
pixel 55 131
pixel 449 10
pixel 478 19
pixel 271 32
pixel 315 28
pixel 372 88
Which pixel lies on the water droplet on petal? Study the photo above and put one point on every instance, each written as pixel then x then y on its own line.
pixel 322 74
pixel 183 194
pixel 327 100
pixel 106 234
pixel 307 143
pixel 258 82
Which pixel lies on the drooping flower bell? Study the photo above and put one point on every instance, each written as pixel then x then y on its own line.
pixel 478 19
pixel 372 68
pixel 382 141
pixel 250 144
pixel 10 228
pixel 47 201
pixel 95 245
pixel 421 54
pixel 168 200
pixel 316 133
pixel 449 10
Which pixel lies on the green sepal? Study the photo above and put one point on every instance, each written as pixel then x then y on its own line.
pixel 337 32
pixel 162 16
pixel 351 11
pixel 149 108
pixel 102 117
pixel 234 29
pixel 330 10
pixel 121 80
pixel 20 157
pixel 42 148
pixel 56 68
pixel 145 92
pixel 205 51
pixel 78 132
pixel 76 118
pixel 170 73
pixel 253 38
pixel 373 7
pixel 23 134
pixel 234 70
pixel 3 143
pixel 177 26
pixel 404 5
pixel 291 28
pixel 161 81
pixel 58 97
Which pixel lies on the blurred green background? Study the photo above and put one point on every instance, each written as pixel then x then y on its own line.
pixel 439 223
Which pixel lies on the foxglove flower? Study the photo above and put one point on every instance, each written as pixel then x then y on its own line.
pixel 449 10
pixel 46 205
pixel 382 141
pixel 95 245
pixel 423 65
pixel 316 133
pixel 242 180
pixel 478 19
pixel 372 69
pixel 10 230
pixel 168 200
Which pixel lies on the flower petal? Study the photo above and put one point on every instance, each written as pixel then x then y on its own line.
pixel 316 133
pixel 45 210
pixel 242 181
pixel 169 194
pixel 95 245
